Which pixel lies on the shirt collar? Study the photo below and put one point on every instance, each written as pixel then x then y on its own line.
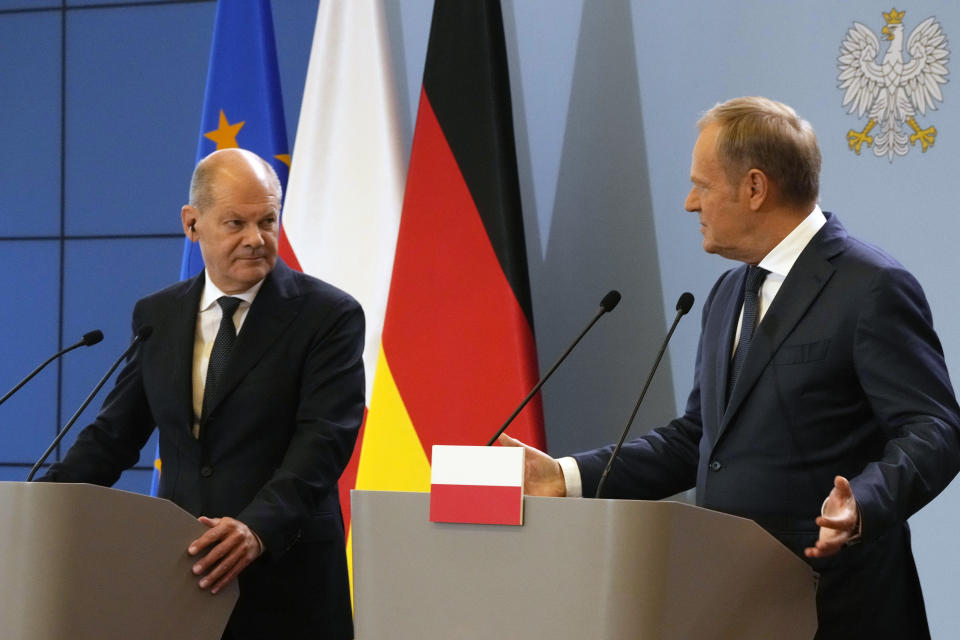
pixel 780 260
pixel 212 293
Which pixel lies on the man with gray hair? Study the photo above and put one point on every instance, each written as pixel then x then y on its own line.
pixel 254 378
pixel 821 406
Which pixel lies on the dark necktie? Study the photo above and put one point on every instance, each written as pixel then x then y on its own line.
pixel 220 354
pixel 754 281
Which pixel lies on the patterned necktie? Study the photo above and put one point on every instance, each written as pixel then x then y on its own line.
pixel 220 354
pixel 754 281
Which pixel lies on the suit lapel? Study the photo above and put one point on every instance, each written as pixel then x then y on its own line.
pixel 809 274
pixel 274 308
pixel 184 329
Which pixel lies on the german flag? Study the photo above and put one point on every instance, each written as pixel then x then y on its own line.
pixel 457 353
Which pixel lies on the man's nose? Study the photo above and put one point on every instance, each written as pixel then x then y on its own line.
pixel 253 237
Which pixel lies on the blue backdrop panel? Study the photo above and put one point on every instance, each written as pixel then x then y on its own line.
pixel 11 5
pixel 12 474
pixel 121 3
pixel 135 80
pixel 136 480
pixel 104 278
pixel 30 328
pixel 30 112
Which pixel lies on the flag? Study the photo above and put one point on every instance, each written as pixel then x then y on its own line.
pixel 346 183
pixel 242 106
pixel 476 485
pixel 457 351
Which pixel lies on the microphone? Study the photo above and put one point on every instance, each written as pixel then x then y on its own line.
pixel 141 336
pixel 89 339
pixel 683 307
pixel 609 302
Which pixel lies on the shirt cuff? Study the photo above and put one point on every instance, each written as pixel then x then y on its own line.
pixel 263 548
pixel 856 537
pixel 571 477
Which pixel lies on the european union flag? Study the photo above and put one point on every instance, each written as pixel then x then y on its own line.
pixel 242 106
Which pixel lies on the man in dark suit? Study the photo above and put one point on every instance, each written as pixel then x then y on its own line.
pixel 255 425
pixel 821 405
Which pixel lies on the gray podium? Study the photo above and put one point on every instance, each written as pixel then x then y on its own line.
pixel 79 562
pixel 597 569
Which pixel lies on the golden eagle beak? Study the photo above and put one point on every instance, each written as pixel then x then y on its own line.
pixel 886 31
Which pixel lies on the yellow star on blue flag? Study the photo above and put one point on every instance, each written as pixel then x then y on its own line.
pixel 225 135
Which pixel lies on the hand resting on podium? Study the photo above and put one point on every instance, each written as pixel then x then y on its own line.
pixel 232 546
pixel 542 475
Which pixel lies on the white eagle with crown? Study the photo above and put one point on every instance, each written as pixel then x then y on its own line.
pixel 892 91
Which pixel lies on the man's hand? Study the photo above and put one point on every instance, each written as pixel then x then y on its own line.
pixel 232 546
pixel 542 474
pixel 839 523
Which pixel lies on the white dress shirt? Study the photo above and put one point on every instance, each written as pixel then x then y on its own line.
pixel 208 323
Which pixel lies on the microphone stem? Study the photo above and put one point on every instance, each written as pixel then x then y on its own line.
pixel 76 415
pixel 38 370
pixel 636 407
pixel 549 373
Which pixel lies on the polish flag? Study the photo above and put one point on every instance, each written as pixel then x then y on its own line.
pixel 343 202
pixel 478 485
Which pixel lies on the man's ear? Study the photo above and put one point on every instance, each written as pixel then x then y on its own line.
pixel 189 216
pixel 756 184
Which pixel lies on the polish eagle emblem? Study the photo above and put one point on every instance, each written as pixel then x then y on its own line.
pixel 894 90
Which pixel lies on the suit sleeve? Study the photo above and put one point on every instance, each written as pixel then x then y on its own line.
pixel 328 419
pixel 900 365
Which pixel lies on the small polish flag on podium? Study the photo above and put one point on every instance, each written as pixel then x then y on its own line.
pixel 477 485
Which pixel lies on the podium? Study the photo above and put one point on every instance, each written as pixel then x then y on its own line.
pixel 81 562
pixel 599 569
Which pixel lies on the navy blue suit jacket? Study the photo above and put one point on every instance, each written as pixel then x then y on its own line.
pixel 271 450
pixel 845 376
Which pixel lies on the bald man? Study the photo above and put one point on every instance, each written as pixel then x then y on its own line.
pixel 254 429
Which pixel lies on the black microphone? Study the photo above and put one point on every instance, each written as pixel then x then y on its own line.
pixel 89 339
pixel 609 302
pixel 141 336
pixel 683 306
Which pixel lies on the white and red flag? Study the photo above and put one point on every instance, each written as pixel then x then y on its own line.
pixel 479 485
pixel 345 191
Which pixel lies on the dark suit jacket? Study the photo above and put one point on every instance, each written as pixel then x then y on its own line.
pixel 270 451
pixel 845 376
